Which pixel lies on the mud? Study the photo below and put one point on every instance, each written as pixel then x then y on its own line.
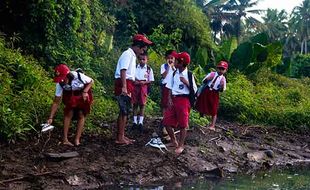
pixel 101 164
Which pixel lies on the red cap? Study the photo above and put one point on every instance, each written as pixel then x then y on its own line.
pixel 61 72
pixel 222 64
pixel 184 58
pixel 140 37
pixel 174 54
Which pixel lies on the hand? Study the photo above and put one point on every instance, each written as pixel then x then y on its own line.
pixel 85 96
pixel 124 91
pixel 170 103
pixel 49 121
pixel 182 79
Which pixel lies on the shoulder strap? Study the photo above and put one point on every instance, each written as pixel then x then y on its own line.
pixel 174 72
pixel 190 79
pixel 148 69
pixel 79 77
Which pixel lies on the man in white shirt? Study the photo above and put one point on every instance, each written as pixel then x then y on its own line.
pixel 181 84
pixel 124 77
pixel 144 77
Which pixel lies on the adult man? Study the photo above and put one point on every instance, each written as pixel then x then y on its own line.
pixel 124 77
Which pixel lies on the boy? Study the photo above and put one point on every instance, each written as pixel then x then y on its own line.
pixel 143 78
pixel 177 113
pixel 124 77
pixel 208 100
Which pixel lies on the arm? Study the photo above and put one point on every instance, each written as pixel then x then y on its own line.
pixel 124 84
pixel 86 89
pixel 54 108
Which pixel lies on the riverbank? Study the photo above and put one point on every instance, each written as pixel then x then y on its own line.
pixel 99 162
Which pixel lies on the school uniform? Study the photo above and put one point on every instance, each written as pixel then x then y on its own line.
pixel 140 92
pixel 126 61
pixel 72 93
pixel 164 89
pixel 208 101
pixel 178 114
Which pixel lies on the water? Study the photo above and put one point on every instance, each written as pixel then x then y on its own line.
pixel 285 179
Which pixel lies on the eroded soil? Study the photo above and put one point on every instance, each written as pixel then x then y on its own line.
pixel 102 164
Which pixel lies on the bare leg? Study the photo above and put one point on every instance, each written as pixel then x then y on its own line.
pixel 180 148
pixel 171 134
pixel 80 127
pixel 121 138
pixel 67 122
pixel 212 126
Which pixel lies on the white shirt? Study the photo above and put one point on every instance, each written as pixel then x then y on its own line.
pixel 217 82
pixel 169 74
pixel 126 61
pixel 143 73
pixel 177 87
pixel 76 84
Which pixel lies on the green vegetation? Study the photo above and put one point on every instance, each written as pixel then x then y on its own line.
pixel 269 62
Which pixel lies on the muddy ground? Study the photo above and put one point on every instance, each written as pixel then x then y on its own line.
pixel 100 164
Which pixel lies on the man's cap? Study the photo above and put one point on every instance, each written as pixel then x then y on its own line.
pixel 142 38
pixel 184 58
pixel 222 64
pixel 61 72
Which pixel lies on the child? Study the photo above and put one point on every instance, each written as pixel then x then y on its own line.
pixel 208 101
pixel 177 113
pixel 143 78
pixel 123 86
pixel 74 89
pixel 166 71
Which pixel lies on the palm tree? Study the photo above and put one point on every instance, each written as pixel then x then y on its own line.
pixel 275 24
pixel 301 20
pixel 241 9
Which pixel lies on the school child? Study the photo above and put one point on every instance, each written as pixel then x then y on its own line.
pixel 166 71
pixel 124 83
pixel 74 89
pixel 208 101
pixel 181 84
pixel 143 78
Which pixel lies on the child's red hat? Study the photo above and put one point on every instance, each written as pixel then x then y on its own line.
pixel 222 64
pixel 184 57
pixel 61 72
pixel 142 38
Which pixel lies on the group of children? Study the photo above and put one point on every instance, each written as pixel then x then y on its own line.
pixel 132 82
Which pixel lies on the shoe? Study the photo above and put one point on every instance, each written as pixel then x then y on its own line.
pixel 46 127
pixel 156 143
pixel 140 127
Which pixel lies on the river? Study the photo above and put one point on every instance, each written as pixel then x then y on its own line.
pixel 280 179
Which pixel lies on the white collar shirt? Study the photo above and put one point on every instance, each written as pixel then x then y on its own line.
pixel 76 83
pixel 217 81
pixel 177 86
pixel 144 73
pixel 126 61
pixel 163 68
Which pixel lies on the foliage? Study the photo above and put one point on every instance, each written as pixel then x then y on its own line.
pixel 25 91
pixel 268 98
pixel 300 66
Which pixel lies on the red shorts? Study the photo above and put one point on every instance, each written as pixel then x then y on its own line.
pixel 118 87
pixel 164 97
pixel 178 114
pixel 73 100
pixel 139 95
pixel 208 102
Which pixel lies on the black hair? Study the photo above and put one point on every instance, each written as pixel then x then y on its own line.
pixel 168 52
pixel 140 44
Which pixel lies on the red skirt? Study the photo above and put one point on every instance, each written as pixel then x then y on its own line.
pixel 139 96
pixel 208 102
pixel 73 100
pixel 118 87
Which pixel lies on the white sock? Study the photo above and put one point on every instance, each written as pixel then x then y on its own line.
pixel 135 118
pixel 141 119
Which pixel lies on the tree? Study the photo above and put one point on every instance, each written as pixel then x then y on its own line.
pixel 301 20
pixel 275 24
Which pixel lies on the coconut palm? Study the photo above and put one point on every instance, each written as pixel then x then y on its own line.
pixel 301 23
pixel 275 24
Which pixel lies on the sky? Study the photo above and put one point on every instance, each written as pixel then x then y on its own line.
pixel 288 5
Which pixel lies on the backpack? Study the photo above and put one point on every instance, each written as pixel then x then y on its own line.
pixel 192 95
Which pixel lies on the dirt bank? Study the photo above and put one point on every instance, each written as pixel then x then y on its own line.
pixel 233 148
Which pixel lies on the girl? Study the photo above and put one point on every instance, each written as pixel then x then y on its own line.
pixel 208 101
